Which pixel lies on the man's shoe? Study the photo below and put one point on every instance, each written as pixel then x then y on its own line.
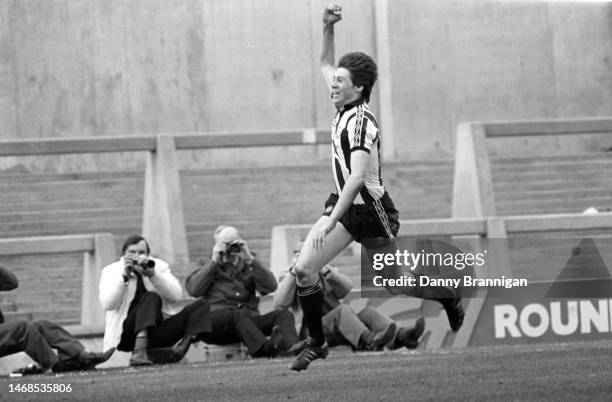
pixel 180 349
pixel 93 359
pixel 172 354
pixel 63 366
pixel 83 361
pixel 412 336
pixel 310 353
pixel 454 312
pixel 30 369
pixel 140 358
pixel 380 339
pixel 138 362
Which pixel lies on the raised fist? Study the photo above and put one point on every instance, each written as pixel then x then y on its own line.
pixel 332 14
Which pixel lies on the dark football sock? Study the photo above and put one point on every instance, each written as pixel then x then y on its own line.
pixel 311 299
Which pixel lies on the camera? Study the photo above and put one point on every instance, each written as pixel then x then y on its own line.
pixel 233 248
pixel 146 263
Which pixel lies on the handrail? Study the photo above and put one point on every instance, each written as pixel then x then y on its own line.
pixel 51 146
pixel 236 140
pixel 148 143
pixel 548 127
pixel 47 244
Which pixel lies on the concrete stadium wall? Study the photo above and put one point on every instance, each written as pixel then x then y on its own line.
pixel 73 68
pixel 460 61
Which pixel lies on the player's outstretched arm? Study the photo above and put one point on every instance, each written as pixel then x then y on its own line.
pixel 331 15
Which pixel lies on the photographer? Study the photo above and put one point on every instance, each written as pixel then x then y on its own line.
pixel 229 282
pixel 138 293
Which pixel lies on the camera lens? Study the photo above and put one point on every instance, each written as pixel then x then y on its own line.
pixel 233 248
pixel 146 263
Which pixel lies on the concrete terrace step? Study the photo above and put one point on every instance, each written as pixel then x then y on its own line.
pixel 556 194
pixel 66 316
pixel 568 164
pixel 80 225
pixel 68 214
pixel 553 184
pixel 75 192
pixel 74 203
pixel 27 178
pixel 43 183
pixel 208 222
pixel 317 169
pixel 582 158
pixel 550 207
pixel 32 284
pixel 50 303
pixel 296 194
pixel 542 177
pixel 244 178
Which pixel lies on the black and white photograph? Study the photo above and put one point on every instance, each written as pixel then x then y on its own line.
pixel 331 200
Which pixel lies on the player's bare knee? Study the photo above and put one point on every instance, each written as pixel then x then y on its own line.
pixel 305 276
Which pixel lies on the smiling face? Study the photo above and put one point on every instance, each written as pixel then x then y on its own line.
pixel 343 91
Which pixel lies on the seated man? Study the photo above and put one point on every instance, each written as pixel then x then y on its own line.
pixel 38 338
pixel 229 282
pixel 368 330
pixel 138 293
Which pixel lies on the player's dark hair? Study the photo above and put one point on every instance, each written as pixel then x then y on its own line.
pixel 134 239
pixel 363 69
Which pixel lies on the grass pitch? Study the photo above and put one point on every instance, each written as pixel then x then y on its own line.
pixel 570 371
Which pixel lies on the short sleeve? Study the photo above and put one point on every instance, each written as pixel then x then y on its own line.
pixel 364 131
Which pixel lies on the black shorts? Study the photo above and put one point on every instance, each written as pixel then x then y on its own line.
pixel 364 221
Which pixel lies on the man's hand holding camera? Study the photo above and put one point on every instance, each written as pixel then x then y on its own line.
pixel 141 264
pixel 226 252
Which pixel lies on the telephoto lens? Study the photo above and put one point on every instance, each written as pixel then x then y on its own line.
pixel 146 262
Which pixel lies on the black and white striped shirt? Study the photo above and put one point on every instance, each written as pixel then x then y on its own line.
pixel 355 128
